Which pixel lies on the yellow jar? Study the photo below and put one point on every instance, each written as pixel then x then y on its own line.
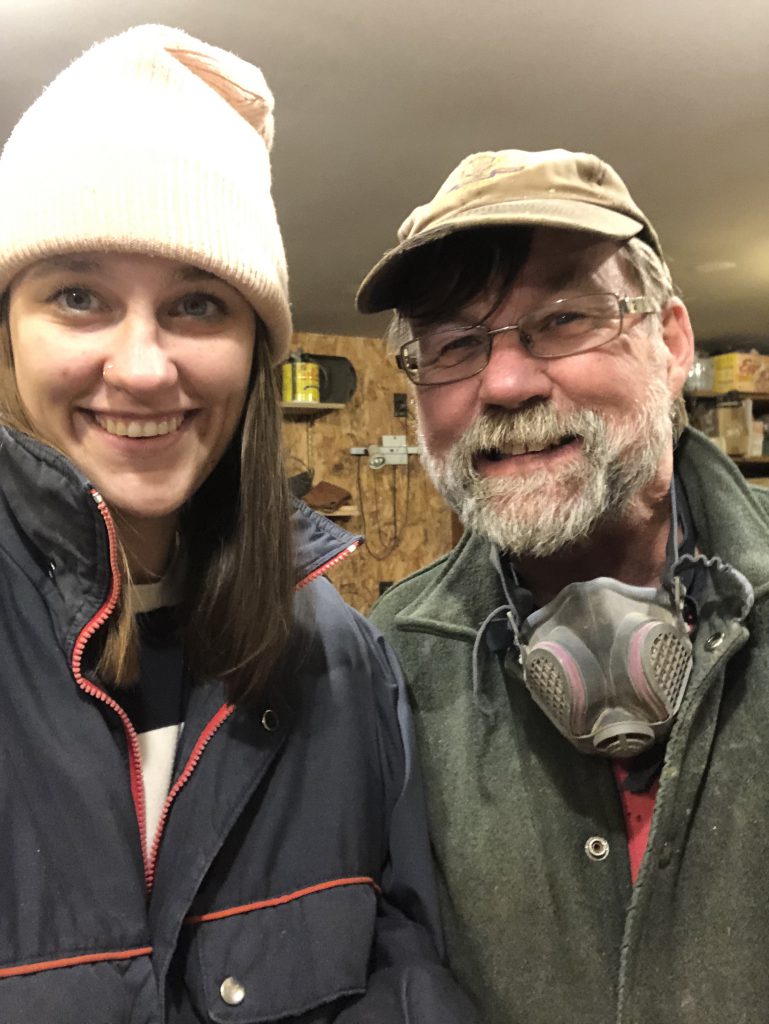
pixel 287 381
pixel 306 381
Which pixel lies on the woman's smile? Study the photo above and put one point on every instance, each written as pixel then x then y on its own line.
pixel 139 426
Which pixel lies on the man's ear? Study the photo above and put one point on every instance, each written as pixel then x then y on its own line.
pixel 678 337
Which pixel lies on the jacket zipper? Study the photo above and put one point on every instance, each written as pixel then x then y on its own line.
pixel 328 565
pixel 204 739
pixel 213 727
pixel 134 754
pixel 88 631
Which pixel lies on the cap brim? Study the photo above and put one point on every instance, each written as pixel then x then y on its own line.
pixel 380 289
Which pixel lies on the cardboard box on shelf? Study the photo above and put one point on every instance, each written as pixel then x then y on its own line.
pixel 737 371
pixel 702 415
pixel 734 423
pixel 762 377
pixel 755 439
pixel 719 442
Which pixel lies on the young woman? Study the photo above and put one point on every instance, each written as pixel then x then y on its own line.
pixel 208 802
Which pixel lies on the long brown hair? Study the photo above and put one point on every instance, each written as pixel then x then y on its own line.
pixel 236 610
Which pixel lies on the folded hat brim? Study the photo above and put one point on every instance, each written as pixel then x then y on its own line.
pixel 380 289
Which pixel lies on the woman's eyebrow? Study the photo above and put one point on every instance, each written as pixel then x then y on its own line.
pixel 77 264
pixel 86 263
pixel 192 273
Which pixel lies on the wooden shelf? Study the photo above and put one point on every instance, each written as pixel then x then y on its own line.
pixel 344 512
pixel 310 408
pixel 751 460
pixel 760 395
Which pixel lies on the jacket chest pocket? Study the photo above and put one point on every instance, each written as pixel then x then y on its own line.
pixel 282 958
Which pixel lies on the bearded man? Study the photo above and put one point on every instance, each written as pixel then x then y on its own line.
pixel 589 666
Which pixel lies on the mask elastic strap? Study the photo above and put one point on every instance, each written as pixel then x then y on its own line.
pixel 674 568
pixel 479 697
pixel 673 538
pixel 520 603
pixel 507 612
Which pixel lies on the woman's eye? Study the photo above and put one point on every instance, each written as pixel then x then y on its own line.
pixel 78 300
pixel 198 306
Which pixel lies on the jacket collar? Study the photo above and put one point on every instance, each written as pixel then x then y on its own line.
pixel 64 541
pixel 730 517
pixel 318 541
pixel 730 521
pixel 460 596
pixel 52 505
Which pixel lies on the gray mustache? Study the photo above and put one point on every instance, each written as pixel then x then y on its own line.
pixel 538 426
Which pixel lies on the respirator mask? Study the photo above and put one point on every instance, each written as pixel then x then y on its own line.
pixel 608 663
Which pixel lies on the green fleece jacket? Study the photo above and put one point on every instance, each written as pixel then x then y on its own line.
pixel 538 931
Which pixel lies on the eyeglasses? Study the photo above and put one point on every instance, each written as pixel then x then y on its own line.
pixel 563 327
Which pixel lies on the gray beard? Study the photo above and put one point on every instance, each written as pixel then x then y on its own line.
pixel 538 514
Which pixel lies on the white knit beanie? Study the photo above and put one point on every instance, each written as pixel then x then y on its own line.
pixel 151 142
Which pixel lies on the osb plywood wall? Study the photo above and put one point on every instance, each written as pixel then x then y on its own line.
pixel 405 522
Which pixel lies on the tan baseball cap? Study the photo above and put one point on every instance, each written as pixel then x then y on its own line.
pixel 553 188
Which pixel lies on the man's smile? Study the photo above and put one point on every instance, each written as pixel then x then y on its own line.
pixel 525 448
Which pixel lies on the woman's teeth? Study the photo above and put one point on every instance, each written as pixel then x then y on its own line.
pixel 139 428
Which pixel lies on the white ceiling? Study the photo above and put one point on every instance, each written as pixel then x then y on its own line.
pixel 377 101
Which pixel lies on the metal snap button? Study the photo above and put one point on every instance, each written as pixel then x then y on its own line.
pixel 713 641
pixel 232 992
pixel 597 848
pixel 270 720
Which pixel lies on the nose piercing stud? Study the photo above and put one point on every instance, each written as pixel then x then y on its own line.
pixel 108 367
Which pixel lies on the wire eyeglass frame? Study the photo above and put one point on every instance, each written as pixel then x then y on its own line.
pixel 555 317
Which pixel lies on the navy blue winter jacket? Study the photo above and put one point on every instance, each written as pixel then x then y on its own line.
pixel 292 878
